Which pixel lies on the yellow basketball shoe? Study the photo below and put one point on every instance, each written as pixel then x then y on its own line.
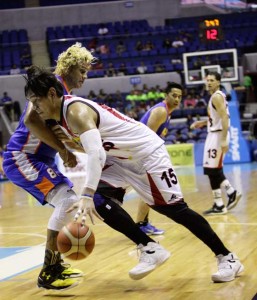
pixel 69 272
pixel 51 278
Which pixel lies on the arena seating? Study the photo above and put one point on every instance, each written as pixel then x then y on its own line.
pixel 130 32
pixel 13 45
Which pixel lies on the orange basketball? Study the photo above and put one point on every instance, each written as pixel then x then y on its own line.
pixel 75 241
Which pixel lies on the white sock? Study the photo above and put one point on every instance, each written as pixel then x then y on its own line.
pixel 217 197
pixel 227 186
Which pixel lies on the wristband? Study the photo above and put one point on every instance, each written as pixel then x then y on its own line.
pixel 87 195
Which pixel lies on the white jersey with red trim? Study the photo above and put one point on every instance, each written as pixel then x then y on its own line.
pixel 214 121
pixel 122 137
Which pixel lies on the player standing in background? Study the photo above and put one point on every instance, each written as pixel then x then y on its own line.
pixel 158 118
pixel 132 155
pixel 216 146
pixel 30 164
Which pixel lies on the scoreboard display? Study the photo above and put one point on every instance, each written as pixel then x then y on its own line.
pixel 210 30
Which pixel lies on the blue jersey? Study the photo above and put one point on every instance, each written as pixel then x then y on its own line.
pixel 30 164
pixel 162 130
pixel 24 141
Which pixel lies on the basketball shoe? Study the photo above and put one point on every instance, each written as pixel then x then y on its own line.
pixel 149 229
pixel 216 210
pixel 51 278
pixel 69 272
pixel 229 267
pixel 151 256
pixel 233 199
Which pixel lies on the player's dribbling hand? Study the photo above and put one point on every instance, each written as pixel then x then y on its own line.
pixel 85 207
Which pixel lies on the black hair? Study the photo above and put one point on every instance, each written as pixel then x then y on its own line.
pixel 216 75
pixel 39 81
pixel 173 85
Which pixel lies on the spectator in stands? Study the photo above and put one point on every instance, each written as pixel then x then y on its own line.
pixel 15 70
pixel 200 102
pixel 152 95
pixel 93 44
pixel 159 67
pixel 110 71
pixel 159 93
pixel 131 96
pixel 5 99
pixel 120 48
pixel 141 96
pixel 142 68
pixel 189 101
pixel 148 46
pixel 181 138
pixel 103 30
pixel 207 61
pixel 176 60
pixel 92 95
pixel 166 43
pixel 103 49
pixel 102 96
pixel 198 63
pixel 227 73
pixel 25 57
pixel 118 98
pixel 139 46
pixel 248 85
pixel 98 66
pixel 178 42
pixel 145 88
pixel 190 120
pixel 122 70
pixel 132 113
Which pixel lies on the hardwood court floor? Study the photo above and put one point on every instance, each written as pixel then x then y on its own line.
pixel 185 276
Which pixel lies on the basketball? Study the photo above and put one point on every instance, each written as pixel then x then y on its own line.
pixel 75 241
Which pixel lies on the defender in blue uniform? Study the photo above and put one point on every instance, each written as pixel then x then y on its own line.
pixel 30 164
pixel 158 118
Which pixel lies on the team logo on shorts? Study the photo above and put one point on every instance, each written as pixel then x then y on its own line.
pixel 173 198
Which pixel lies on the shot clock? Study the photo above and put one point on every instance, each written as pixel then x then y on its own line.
pixel 210 30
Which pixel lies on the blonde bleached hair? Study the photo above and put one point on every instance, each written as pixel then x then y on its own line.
pixel 75 55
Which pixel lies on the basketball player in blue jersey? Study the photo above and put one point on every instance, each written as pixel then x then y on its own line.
pixel 157 118
pixel 30 164
pixel 132 155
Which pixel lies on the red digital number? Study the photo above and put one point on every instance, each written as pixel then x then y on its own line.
pixel 211 34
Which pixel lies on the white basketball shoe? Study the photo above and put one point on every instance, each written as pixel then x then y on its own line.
pixel 151 256
pixel 229 267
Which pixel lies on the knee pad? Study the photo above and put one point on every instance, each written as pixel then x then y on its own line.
pixel 61 198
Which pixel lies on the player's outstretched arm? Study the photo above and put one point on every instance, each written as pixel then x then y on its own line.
pixel 82 120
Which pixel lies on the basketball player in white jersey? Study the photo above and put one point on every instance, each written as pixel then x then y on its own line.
pixel 123 153
pixel 216 146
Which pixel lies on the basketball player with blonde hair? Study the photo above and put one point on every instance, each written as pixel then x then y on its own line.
pixel 29 162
